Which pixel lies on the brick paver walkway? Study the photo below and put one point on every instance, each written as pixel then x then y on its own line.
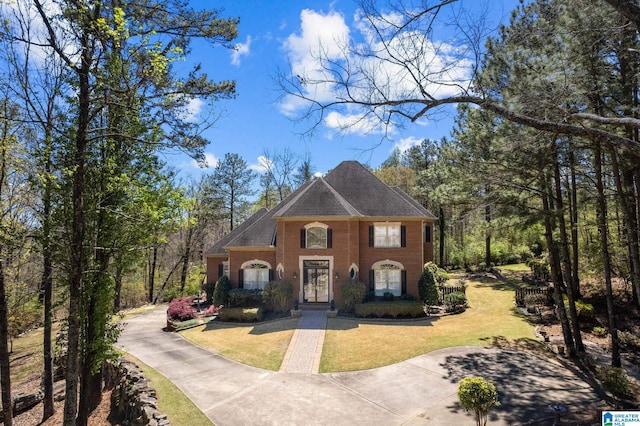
pixel 305 348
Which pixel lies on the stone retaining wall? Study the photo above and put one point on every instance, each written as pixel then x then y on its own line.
pixel 133 401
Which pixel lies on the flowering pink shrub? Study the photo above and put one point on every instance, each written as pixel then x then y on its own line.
pixel 181 309
pixel 212 310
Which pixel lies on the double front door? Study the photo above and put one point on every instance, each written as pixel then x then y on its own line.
pixel 315 287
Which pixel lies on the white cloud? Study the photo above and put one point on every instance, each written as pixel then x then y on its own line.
pixel 191 111
pixel 210 162
pixel 326 50
pixel 320 36
pixel 353 123
pixel 240 50
pixel 406 143
pixel 262 165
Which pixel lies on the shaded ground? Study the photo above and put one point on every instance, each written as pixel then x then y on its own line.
pixel 421 390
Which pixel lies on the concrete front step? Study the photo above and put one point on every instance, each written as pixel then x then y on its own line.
pixel 314 306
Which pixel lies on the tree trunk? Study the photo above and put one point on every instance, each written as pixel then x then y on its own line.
pixel 441 235
pixel 186 257
pixel 573 211
pixel 117 278
pixel 152 270
pixel 77 240
pixel 606 258
pixel 556 276
pixel 47 378
pixel 5 368
pixel 487 241
pixel 565 257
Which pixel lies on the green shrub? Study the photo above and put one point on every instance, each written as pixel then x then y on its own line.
pixel 478 396
pixel 629 341
pixel 427 287
pixel 221 292
pixel 245 298
pixel 396 309
pixel 536 299
pixel 352 292
pixel 408 297
pixel 387 296
pixel 600 331
pixel 209 288
pixel 614 380
pixel 277 295
pixel 441 276
pixel 540 268
pixel 455 302
pixel 241 314
pixel 583 309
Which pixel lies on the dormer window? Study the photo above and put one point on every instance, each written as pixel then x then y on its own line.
pixel 315 236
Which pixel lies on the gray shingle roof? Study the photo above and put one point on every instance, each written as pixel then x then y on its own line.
pixel 349 190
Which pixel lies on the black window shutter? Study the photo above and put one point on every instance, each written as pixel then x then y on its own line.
pixel 370 236
pixel 329 238
pixel 241 278
pixel 404 282
pixel 271 275
pixel 427 234
pixel 220 270
pixel 403 236
pixel 303 238
pixel 372 280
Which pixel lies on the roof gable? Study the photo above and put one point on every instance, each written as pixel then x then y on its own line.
pixel 349 190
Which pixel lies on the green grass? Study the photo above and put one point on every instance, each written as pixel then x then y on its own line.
pixel 171 401
pixel 518 267
pixel 260 345
pixel 27 356
pixel 357 344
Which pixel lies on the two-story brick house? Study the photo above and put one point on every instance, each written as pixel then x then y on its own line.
pixel 347 224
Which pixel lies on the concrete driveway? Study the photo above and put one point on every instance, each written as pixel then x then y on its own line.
pixel 418 391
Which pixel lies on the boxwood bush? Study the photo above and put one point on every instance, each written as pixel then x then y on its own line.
pixel 241 314
pixel 455 302
pixel 245 298
pixel 353 292
pixel 395 309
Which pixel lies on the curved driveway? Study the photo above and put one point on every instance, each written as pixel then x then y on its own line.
pixel 417 391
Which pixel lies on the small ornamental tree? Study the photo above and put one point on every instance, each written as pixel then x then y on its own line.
pixel 428 289
pixel 181 309
pixel 352 293
pixel 277 295
pixel 478 395
pixel 221 292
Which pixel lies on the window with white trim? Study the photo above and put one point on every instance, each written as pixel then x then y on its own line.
pixel 388 279
pixel 317 237
pixel 255 276
pixel 387 235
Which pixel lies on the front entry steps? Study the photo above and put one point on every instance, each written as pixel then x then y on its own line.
pixel 314 307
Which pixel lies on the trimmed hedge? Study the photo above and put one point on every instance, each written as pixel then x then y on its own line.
pixel 395 309
pixel 245 298
pixel 241 314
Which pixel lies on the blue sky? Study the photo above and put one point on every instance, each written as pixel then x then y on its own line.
pixel 274 35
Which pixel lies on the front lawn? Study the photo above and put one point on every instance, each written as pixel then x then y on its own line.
pixel 261 345
pixel 358 344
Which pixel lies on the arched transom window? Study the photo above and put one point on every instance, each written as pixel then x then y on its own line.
pixel 255 274
pixel 316 235
pixel 387 277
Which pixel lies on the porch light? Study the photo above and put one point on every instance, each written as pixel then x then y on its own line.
pixel 337 276
pixel 295 275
